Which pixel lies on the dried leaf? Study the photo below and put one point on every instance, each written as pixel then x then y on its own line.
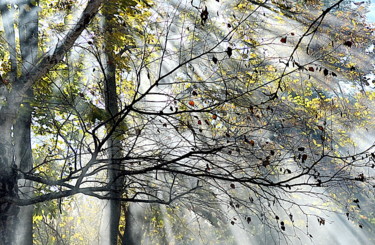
pixel 348 43
pixel 204 16
pixel 304 157
pixel 248 219
pixel 321 221
pixel 266 162
pixel 229 51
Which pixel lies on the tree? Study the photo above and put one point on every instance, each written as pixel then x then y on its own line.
pixel 16 112
pixel 176 109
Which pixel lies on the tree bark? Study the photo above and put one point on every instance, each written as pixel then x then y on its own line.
pixel 28 35
pixel 132 234
pixel 8 182
pixel 24 162
pixel 114 143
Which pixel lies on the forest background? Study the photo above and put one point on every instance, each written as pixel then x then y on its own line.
pixel 186 122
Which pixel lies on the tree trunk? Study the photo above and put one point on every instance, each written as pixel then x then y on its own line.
pixel 19 127
pixel 23 160
pixel 114 143
pixel 8 181
pixel 132 234
pixel 114 151
pixel 28 35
